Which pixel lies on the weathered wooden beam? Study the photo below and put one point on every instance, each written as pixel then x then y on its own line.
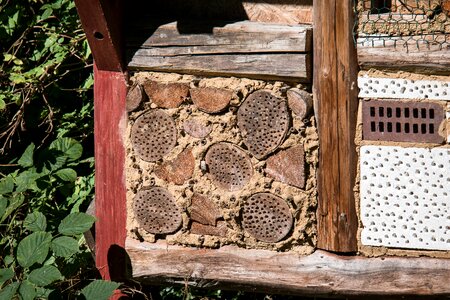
pixel 427 59
pixel 208 38
pixel 110 89
pixel 288 67
pixel 335 89
pixel 102 23
pixel 319 274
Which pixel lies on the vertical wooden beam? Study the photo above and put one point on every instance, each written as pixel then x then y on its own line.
pixel 110 90
pixel 102 22
pixel 335 88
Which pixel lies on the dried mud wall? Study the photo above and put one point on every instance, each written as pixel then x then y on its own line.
pixel 216 161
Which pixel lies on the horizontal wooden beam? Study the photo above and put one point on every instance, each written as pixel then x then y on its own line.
pixel 320 273
pixel 288 67
pixel 417 54
pixel 219 37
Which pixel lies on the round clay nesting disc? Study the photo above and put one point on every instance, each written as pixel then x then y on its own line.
pixel 263 120
pixel 230 167
pixel 153 135
pixel 156 211
pixel 266 217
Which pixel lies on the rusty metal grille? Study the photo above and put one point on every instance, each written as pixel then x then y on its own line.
pixel 399 121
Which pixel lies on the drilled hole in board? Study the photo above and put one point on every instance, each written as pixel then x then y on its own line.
pixel 230 167
pixel 266 217
pixel 153 135
pixel 263 120
pixel 156 211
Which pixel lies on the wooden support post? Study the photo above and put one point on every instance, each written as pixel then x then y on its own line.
pixel 335 88
pixel 101 20
pixel 110 89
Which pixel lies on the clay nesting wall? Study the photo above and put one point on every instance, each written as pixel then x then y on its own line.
pixel 216 161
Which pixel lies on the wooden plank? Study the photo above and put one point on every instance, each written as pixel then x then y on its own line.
pixel 280 12
pixel 419 58
pixel 289 67
pixel 110 90
pixel 335 89
pixel 206 38
pixel 318 274
pixel 102 23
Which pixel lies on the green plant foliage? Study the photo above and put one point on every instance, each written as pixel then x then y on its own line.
pixel 44 275
pixel 46 151
pixel 76 223
pixel 99 290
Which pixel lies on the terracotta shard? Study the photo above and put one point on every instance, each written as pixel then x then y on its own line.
pixel 230 168
pixel 166 95
pixel 156 211
pixel 211 100
pixel 288 166
pixel 266 217
pixel 264 121
pixel 220 230
pixel 196 128
pixel 178 170
pixel 203 210
pixel 300 102
pixel 153 135
pixel 135 97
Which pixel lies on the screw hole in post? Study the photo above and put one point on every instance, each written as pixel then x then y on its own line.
pixel 98 35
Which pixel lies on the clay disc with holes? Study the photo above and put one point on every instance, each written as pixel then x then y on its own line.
pixel 264 121
pixel 153 135
pixel 230 167
pixel 266 217
pixel 156 211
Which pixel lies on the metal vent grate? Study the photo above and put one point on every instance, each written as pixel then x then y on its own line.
pixel 402 121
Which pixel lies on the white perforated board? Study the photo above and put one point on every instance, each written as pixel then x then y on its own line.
pixel 405 197
pixel 396 88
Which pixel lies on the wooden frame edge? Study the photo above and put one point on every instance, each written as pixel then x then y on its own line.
pixel 320 274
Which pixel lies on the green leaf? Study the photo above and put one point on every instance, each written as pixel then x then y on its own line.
pixel 33 249
pixel 35 221
pixel 70 147
pixel 27 290
pixel 14 202
pixel 47 13
pixel 3 205
pixel 76 223
pixel 64 246
pixel 2 104
pixel 9 291
pixel 99 290
pixel 27 180
pixel 6 185
pixel 67 174
pixel 5 275
pixel 44 276
pixel 8 259
pixel 27 157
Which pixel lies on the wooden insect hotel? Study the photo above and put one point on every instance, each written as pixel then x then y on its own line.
pixel 284 146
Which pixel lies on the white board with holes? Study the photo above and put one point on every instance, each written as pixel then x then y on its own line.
pixel 405 197
pixel 396 88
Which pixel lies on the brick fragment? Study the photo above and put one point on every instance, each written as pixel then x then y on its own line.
pixel 203 210
pixel 196 128
pixel 220 230
pixel 300 102
pixel 211 100
pixel 166 95
pixel 288 166
pixel 179 169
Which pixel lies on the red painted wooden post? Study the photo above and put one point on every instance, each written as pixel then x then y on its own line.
pixel 110 90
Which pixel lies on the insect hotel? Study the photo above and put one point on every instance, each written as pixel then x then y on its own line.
pixel 279 146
